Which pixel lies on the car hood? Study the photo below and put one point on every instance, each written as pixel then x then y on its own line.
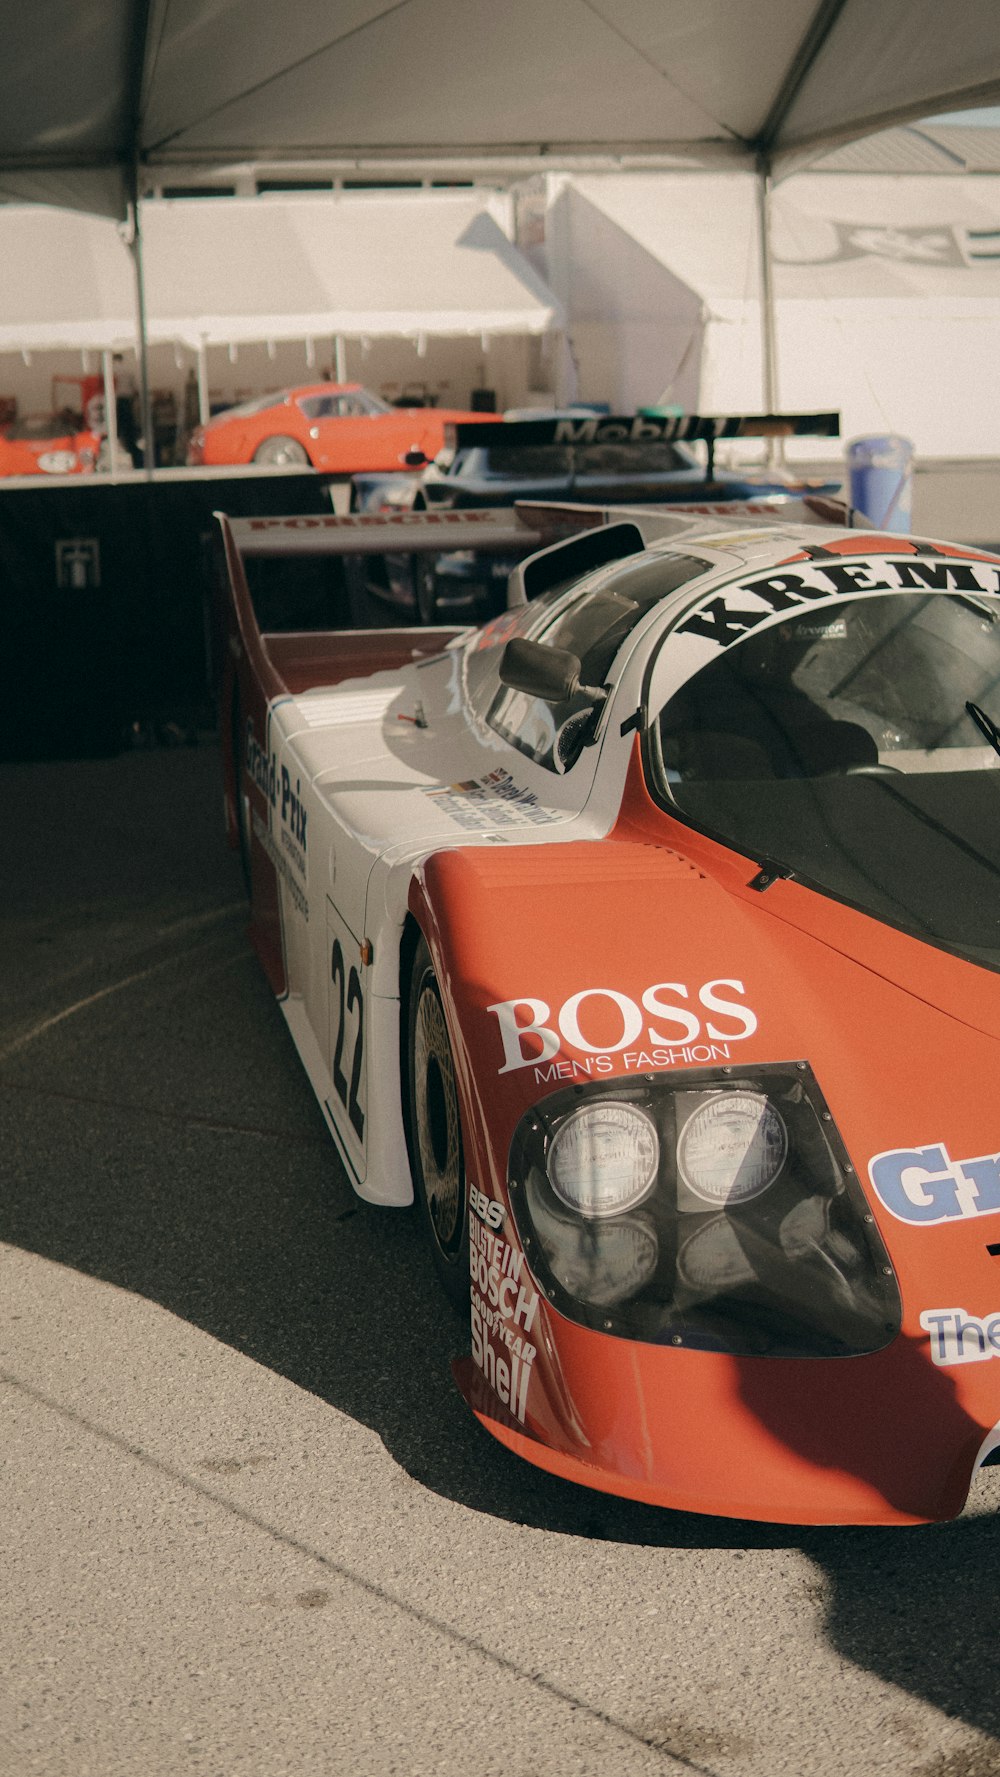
pixel 925 967
pixel 933 978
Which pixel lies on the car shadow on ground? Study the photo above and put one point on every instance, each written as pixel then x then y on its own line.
pixel 159 1134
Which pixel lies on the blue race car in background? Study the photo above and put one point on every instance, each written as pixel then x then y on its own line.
pixel 577 456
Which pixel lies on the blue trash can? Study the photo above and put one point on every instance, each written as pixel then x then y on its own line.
pixel 880 477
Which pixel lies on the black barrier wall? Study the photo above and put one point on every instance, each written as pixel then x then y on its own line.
pixel 106 591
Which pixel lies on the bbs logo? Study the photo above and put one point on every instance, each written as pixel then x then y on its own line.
pixel 486 1208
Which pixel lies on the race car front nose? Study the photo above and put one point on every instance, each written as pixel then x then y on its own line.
pixel 716 1210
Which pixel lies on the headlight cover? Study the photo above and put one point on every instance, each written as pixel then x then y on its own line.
pixel 731 1148
pixel 603 1158
pixel 715 1209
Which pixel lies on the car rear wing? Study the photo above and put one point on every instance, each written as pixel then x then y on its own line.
pixel 639 428
pixel 504 530
pixel 678 516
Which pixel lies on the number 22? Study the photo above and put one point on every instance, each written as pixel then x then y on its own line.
pixel 349 996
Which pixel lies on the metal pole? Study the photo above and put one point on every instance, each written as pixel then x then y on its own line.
pixel 204 406
pixel 145 404
pixel 769 340
pixel 110 412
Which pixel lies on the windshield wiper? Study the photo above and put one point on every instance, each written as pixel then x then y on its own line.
pixel 986 724
pixel 982 607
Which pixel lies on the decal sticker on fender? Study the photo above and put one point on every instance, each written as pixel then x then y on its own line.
pixel 265 840
pixel 57 462
pixel 503 1308
pixel 284 797
pixel 925 1186
pixel 600 1024
pixel 348 1041
pixel 724 618
pixel 487 1208
pixel 960 1338
pixel 491 801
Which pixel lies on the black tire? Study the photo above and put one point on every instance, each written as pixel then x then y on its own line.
pixel 436 1153
pixel 281 451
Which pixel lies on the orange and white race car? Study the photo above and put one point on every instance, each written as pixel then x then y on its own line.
pixel 650 936
pixel 49 444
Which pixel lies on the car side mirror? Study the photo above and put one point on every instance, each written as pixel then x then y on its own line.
pixel 550 674
pixel 415 458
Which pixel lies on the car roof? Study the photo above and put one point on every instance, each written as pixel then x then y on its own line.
pixel 277 397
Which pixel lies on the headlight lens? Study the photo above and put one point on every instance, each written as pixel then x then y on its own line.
pixel 603 1159
pixel 732 1147
pixel 600 1262
pixel 753 1237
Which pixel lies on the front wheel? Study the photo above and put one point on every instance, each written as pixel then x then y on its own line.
pixel 281 452
pixel 435 1132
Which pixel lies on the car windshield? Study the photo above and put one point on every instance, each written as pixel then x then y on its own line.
pixel 259 404
pixel 342 405
pixel 525 462
pixel 545 461
pixel 838 746
pixel 627 459
pixel 592 619
pixel 41 426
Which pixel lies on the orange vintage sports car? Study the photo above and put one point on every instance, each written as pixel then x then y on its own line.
pixel 650 937
pixel 339 427
pixel 49 444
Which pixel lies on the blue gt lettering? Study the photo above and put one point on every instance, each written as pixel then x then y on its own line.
pixel 925 1186
pixel 985 1175
pixel 916 1184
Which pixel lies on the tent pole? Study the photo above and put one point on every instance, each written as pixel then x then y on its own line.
pixel 145 404
pixel 769 341
pixel 110 411
pixel 204 406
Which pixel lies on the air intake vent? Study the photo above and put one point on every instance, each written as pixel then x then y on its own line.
pixel 577 556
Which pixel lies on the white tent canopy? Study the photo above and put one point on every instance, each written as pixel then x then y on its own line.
pixel 886 297
pixel 66 282
pixel 101 101
pixel 230 271
pixel 98 98
pixel 359 263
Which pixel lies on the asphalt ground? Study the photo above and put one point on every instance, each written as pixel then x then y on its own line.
pixel 247 1525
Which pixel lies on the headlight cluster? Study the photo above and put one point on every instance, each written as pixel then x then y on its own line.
pixel 711 1209
pixel 603 1158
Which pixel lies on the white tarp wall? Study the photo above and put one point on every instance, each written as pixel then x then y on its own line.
pixel 892 285
pixel 887 297
pixel 262 286
pixel 65 282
